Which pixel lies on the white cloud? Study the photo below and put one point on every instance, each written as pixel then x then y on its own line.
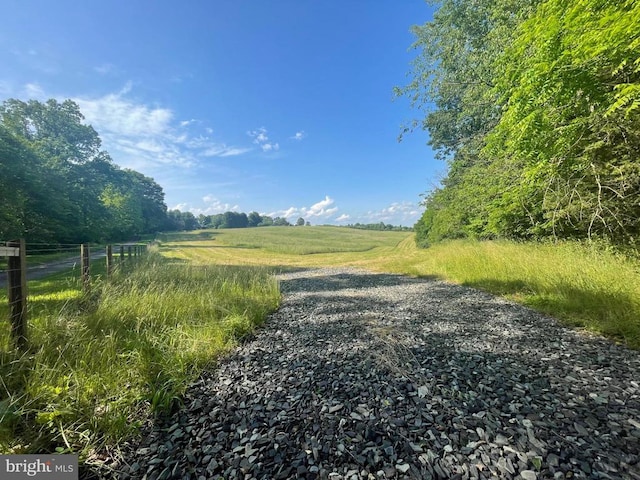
pixel 142 136
pixel 183 207
pixel 232 151
pixel 34 91
pixel 5 88
pixel 105 69
pixel 299 135
pixel 150 146
pixel 321 209
pixel 213 206
pixel 267 147
pixel 261 138
pixel 343 218
pixel 398 213
pixel 259 135
pixel 221 150
pixel 115 114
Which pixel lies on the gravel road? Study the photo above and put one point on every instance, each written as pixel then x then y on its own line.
pixel 375 376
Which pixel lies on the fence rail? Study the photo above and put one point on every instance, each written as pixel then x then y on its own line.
pixel 16 274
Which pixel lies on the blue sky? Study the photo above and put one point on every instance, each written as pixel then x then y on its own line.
pixel 283 107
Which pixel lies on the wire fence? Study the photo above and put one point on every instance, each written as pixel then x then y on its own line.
pixel 21 261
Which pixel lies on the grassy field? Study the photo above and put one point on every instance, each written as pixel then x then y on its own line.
pixel 582 285
pixel 100 363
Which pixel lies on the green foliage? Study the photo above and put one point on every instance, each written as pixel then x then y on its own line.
pixel 535 106
pixel 235 220
pixel 58 186
pixel 253 219
pixel 571 91
pixel 453 84
pixel 178 221
pixel 378 226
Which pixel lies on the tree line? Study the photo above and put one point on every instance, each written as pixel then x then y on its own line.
pixel 58 186
pixel 534 105
pixel 380 226
pixel 187 221
pixel 178 220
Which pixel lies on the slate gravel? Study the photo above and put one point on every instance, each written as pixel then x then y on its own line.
pixel 375 376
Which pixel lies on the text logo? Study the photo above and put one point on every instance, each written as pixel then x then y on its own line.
pixel 50 467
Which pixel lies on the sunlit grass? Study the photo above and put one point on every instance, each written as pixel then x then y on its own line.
pixel 99 363
pixel 577 283
pixel 582 285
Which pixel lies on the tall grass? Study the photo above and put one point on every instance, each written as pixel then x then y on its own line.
pixel 583 285
pixel 580 284
pixel 100 363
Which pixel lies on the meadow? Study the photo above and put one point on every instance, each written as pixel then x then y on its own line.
pixel 583 285
pixel 102 363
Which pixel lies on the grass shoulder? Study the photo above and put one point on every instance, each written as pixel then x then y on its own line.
pixel 100 363
pixel 581 285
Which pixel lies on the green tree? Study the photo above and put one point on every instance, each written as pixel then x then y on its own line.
pixel 281 222
pixel 571 120
pixel 125 213
pixel 235 220
pixel 216 221
pixel 300 222
pixel 253 219
pixel 266 221
pixel 150 195
pixel 64 187
pixel 56 133
pixel 33 202
pixel 453 85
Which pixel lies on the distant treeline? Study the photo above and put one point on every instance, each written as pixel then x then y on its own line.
pixel 379 226
pixel 57 185
pixel 178 220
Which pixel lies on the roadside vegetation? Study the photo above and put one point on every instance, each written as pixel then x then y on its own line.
pixel 535 106
pixel 100 364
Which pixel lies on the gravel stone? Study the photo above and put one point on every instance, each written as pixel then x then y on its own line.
pixel 370 376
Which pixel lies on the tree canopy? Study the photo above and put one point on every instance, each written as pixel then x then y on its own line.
pixel 58 186
pixel 534 105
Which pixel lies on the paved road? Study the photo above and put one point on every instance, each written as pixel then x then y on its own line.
pixel 35 272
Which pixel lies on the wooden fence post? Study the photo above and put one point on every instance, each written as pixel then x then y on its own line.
pixel 109 260
pixel 84 269
pixel 129 253
pixel 121 253
pixel 17 280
